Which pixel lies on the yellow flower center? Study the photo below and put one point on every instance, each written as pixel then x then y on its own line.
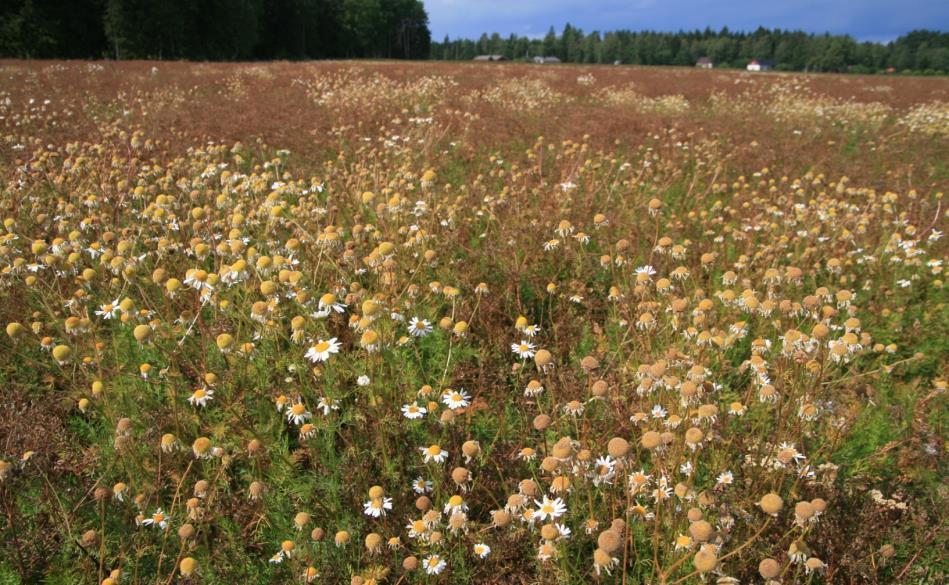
pixel 322 346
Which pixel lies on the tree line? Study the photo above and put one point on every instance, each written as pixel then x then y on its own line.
pixel 214 29
pixel 920 51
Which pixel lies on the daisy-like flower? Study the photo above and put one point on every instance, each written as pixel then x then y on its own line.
pixel 434 564
pixel 298 414
pixel 108 310
pixel 328 302
pixel 724 479
pixel 413 411
pixel 277 558
pixel 546 551
pixel 421 485
pixel 455 399
pixel 638 480
pixel 362 380
pixel 454 504
pixel 548 508
pixel 377 507
pixel 481 550
pixel 531 330
pixel 322 350
pixel 638 510
pixel 419 327
pixel 646 270
pixel 433 453
pixel 158 520
pixel 201 397
pixel 327 405
pixel 524 350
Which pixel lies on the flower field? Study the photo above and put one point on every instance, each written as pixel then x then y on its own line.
pixel 470 323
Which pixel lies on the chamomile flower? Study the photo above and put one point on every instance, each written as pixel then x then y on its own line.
pixel 422 486
pixel 455 399
pixel 434 564
pixel 413 411
pixel 327 405
pixel 201 397
pixel 322 351
pixel 481 550
pixel 434 453
pixel 298 414
pixel 548 508
pixel 158 519
pixel 376 507
pixel 524 350
pixel 419 327
pixel 108 310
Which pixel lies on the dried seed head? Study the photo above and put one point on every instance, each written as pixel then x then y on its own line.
pixel 701 531
pixel 617 447
pixel 705 561
pixel 769 568
pixel 609 541
pixel 650 440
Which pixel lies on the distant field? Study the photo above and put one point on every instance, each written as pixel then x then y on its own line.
pixel 408 322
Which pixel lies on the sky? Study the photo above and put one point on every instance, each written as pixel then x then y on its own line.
pixel 865 20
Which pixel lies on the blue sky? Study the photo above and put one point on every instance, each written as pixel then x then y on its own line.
pixel 868 20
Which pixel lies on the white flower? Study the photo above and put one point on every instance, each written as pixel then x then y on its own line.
pixel 158 520
pixel 548 508
pixel 298 414
pixel 377 507
pixel 322 350
pixel 109 310
pixel 328 303
pixel 422 485
pixel 647 270
pixel 362 380
pixel 433 453
pixel 531 330
pixel 725 478
pixel 201 397
pixel 327 404
pixel 419 327
pixel 434 564
pixel 481 550
pixel 454 399
pixel 524 349
pixel 413 411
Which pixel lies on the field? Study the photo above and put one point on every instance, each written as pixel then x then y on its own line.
pixel 470 323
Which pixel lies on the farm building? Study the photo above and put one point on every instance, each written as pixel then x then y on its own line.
pixel 760 65
pixel 540 59
pixel 705 63
pixel 490 58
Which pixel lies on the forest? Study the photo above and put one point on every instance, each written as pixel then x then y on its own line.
pixel 918 51
pixel 214 30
